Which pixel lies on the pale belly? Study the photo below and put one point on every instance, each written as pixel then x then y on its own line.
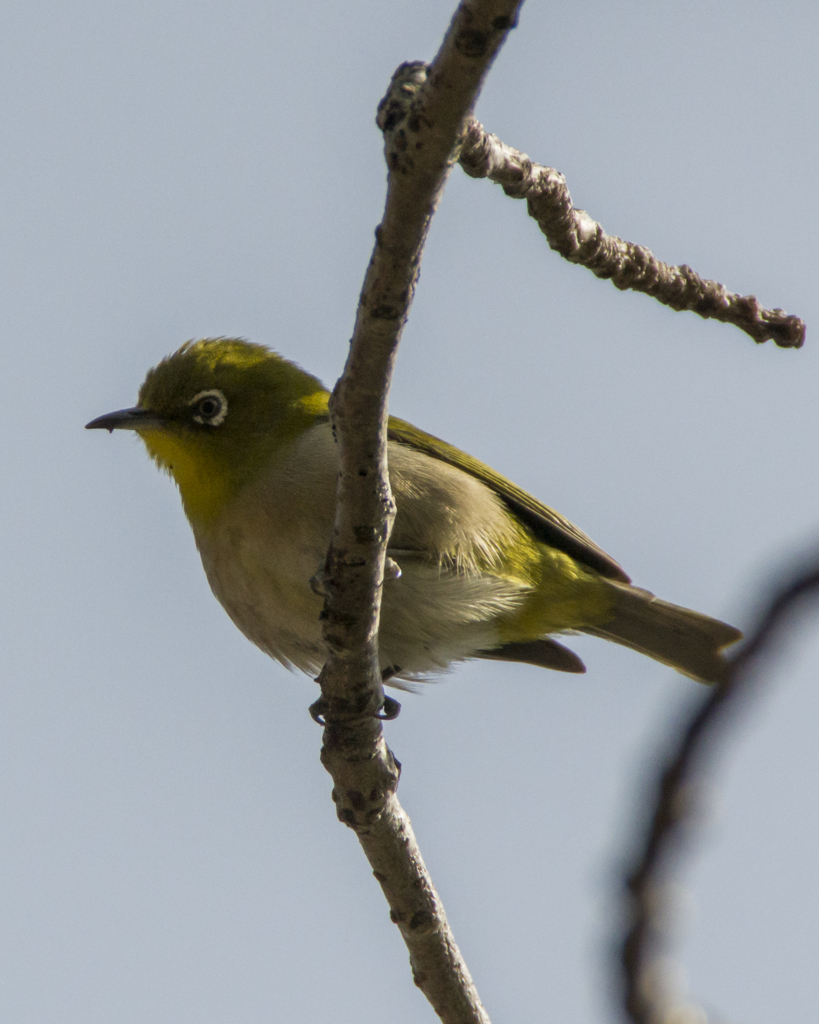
pixel 260 560
pixel 430 616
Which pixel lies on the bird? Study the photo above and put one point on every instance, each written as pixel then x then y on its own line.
pixel 479 568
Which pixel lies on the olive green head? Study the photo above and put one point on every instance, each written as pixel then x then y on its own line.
pixel 213 413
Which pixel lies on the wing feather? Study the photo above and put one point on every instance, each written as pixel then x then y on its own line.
pixel 546 524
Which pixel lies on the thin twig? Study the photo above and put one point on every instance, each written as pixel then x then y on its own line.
pixel 646 999
pixel 422 117
pixel 582 240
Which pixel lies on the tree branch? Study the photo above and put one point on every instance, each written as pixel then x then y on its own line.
pixel 647 998
pixel 580 239
pixel 422 117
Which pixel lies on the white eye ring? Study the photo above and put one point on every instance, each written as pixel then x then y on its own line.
pixel 217 417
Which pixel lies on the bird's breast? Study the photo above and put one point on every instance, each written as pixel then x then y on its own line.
pixel 267 544
pixel 450 530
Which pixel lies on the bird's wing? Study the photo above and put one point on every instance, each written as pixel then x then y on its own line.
pixel 546 524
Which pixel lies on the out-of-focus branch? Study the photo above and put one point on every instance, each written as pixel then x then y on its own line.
pixel 647 999
pixel 422 118
pixel 582 240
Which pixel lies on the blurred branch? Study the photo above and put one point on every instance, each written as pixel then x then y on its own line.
pixel 422 117
pixel 647 998
pixel 580 239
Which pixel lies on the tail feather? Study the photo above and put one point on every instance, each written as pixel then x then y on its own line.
pixel 546 653
pixel 687 641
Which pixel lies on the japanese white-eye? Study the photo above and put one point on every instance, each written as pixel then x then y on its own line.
pixel 486 571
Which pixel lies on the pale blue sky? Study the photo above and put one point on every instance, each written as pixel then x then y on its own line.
pixel 169 851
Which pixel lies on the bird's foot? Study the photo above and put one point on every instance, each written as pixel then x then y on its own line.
pixel 392 570
pixel 317 711
pixel 390 709
pixel 387 712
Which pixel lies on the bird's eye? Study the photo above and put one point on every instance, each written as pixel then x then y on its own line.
pixel 210 408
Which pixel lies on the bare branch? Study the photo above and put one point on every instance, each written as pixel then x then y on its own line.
pixel 422 117
pixel 582 240
pixel 646 999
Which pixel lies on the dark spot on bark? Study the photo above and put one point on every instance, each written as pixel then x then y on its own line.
pixel 420 917
pixel 503 22
pixel 472 43
pixel 356 798
pixel 384 312
pixel 388 118
pixel 379 877
pixel 343 620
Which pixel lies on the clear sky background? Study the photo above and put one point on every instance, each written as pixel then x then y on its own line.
pixel 168 848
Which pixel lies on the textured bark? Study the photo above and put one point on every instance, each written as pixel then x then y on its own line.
pixel 422 117
pixel 580 239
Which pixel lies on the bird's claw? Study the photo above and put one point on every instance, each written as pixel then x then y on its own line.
pixel 317 710
pixel 392 570
pixel 389 709
pixel 387 712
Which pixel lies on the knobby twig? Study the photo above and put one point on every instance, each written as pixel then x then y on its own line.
pixel 422 117
pixel 582 240
pixel 647 998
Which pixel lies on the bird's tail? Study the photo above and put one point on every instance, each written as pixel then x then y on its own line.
pixel 687 641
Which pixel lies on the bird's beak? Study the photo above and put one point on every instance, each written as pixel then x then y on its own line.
pixel 127 419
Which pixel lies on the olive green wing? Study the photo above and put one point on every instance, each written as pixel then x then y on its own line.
pixel 546 524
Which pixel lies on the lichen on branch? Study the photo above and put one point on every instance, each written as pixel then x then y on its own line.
pixel 580 239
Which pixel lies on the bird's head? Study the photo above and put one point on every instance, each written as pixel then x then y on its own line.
pixel 215 412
